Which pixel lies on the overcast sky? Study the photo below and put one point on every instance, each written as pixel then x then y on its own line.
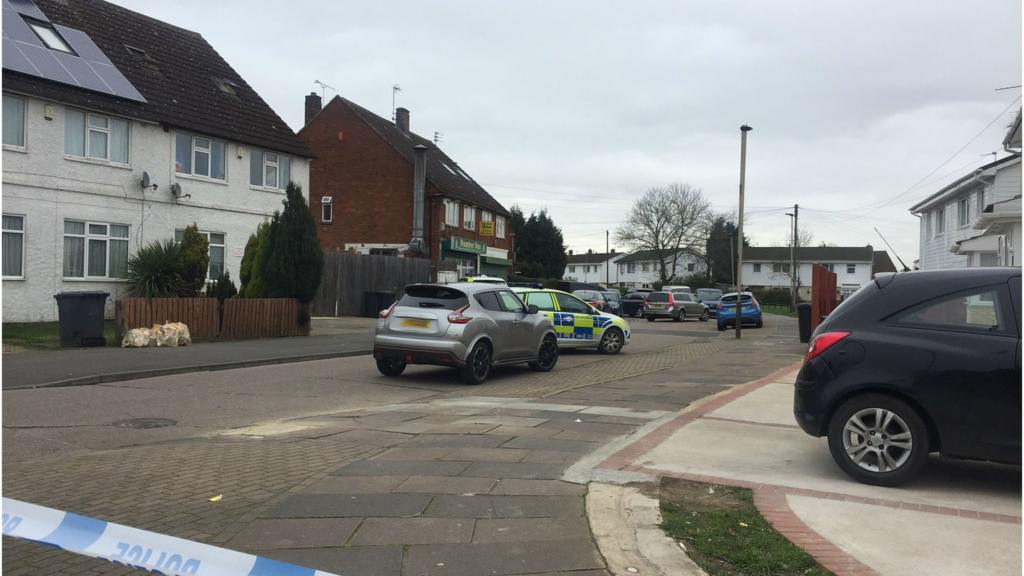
pixel 578 107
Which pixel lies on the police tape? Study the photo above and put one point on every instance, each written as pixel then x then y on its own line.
pixel 133 547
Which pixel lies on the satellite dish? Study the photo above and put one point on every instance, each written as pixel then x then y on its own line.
pixel 146 183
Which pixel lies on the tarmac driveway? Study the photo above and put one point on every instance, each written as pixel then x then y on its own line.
pixel 958 518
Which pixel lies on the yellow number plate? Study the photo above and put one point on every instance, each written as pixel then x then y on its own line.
pixel 415 323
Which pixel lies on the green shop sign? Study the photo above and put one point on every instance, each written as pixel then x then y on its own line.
pixel 457 244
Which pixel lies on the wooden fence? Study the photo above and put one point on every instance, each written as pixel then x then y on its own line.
pixel 261 318
pixel 823 294
pixel 349 276
pixel 241 318
pixel 199 314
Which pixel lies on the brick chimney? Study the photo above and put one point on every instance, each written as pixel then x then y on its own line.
pixel 402 119
pixel 313 104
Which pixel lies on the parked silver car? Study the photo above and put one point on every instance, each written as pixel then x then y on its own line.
pixel 471 326
pixel 676 305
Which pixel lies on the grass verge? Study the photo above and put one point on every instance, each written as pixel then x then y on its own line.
pixel 725 534
pixel 780 310
pixel 44 335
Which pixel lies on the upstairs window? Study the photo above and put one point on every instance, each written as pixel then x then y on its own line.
pixel 981 194
pixel 49 36
pixel 499 226
pixel 269 169
pixel 451 213
pixel 199 156
pixel 757 268
pixel 14 121
pixel 963 212
pixel 851 268
pixel 940 221
pixel 469 217
pixel 327 209
pixel 95 136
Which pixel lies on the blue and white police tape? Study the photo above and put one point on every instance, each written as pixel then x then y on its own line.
pixel 133 547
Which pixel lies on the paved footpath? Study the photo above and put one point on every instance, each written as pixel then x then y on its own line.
pixel 465 481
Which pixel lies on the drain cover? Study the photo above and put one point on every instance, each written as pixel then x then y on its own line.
pixel 144 423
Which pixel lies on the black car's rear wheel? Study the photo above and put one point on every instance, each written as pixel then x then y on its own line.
pixel 878 439
pixel 547 356
pixel 478 364
pixel 391 367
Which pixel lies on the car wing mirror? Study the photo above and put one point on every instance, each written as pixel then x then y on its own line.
pixel 532 309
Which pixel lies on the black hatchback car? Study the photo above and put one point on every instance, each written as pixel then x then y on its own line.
pixel 914 363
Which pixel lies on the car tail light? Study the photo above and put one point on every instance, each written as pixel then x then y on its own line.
pixel 385 313
pixel 754 302
pixel 456 317
pixel 671 300
pixel 823 342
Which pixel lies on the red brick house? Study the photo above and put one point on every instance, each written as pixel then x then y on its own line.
pixel 378 188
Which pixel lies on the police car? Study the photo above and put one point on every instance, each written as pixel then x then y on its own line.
pixel 578 324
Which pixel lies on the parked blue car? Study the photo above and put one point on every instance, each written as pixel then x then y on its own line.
pixel 751 313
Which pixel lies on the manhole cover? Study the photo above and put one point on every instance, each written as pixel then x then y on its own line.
pixel 145 423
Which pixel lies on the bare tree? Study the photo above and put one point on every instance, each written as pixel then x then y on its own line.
pixel 667 220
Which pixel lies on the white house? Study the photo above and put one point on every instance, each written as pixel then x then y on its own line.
pixel 769 267
pixel 949 215
pixel 642 269
pixel 997 236
pixel 593 267
pixel 168 112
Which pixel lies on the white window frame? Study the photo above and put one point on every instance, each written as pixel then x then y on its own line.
pixel 87 150
pixel 326 205
pixel 940 221
pixel 757 268
pixel 469 217
pixel 981 202
pixel 276 164
pixel 499 226
pixel 486 216
pixel 851 268
pixel 963 211
pixel 22 233
pixel 193 148
pixel 209 244
pixel 86 238
pixel 451 213
pixel 24 123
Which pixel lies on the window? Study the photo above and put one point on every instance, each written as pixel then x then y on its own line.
pixel 757 268
pixel 981 196
pixel 14 120
pixel 13 246
pixel 974 310
pixel 940 221
pixel 630 267
pixel 486 216
pixel 830 267
pixel 326 209
pixel 499 226
pixel 199 156
pixel 489 300
pixel 216 252
pixel 510 302
pixel 988 259
pixel 645 267
pixel 465 266
pixel 95 250
pixel 469 218
pixel 963 212
pixel 851 268
pixel 569 303
pixel 690 267
pixel 451 213
pixel 541 300
pixel 88 135
pixel 49 36
pixel 572 268
pixel 269 169
pixel 780 267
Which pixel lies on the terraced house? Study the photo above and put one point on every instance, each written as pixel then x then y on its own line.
pixel 379 188
pixel 119 130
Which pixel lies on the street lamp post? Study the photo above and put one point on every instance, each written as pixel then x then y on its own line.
pixel 739 231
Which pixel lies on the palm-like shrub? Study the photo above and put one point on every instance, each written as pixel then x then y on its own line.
pixel 155 270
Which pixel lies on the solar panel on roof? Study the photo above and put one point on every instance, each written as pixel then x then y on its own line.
pixel 87 68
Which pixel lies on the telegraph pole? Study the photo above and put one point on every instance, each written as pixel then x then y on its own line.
pixel 794 280
pixel 607 264
pixel 739 231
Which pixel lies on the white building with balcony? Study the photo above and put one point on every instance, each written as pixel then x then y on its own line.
pixel 166 111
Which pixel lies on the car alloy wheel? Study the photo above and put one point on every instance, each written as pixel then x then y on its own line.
pixel 391 367
pixel 611 342
pixel 704 317
pixel 547 356
pixel 478 365
pixel 878 439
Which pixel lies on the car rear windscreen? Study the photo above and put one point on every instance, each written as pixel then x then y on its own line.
pixel 657 297
pixel 732 298
pixel 433 297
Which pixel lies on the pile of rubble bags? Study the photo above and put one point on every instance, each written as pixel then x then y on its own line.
pixel 171 334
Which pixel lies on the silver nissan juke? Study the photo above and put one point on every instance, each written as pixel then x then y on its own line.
pixel 471 326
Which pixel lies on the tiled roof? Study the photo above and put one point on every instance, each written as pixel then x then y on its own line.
pixel 882 263
pixel 184 80
pixel 809 254
pixel 592 258
pixel 442 171
pixel 648 256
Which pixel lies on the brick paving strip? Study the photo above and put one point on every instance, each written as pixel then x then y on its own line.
pixel 770 499
pixel 459 484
